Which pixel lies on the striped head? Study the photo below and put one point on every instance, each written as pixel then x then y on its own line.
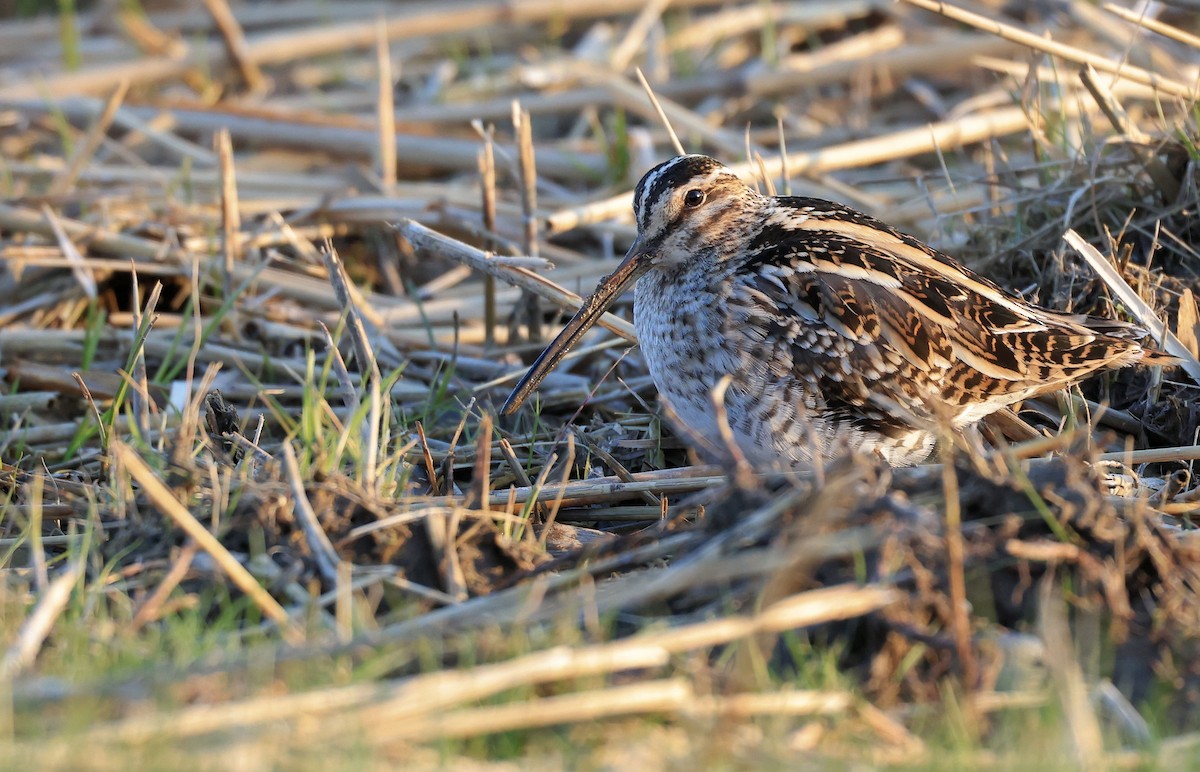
pixel 688 207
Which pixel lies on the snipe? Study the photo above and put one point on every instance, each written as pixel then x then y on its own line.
pixel 837 331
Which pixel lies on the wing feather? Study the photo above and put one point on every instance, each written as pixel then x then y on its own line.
pixel 864 311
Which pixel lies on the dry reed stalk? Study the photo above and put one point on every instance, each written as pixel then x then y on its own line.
pixel 386 110
pixel 425 593
pixel 83 154
pixel 204 719
pixel 27 401
pixel 355 311
pixel 33 631
pixel 428 19
pixel 567 101
pixel 45 435
pixel 98 79
pixel 878 49
pixel 527 181
pixel 618 469
pixel 150 39
pixel 343 590
pixel 1043 551
pixel 991 702
pixel 150 609
pixel 781 573
pixel 649 16
pixel 487 188
pixel 427 458
pixel 829 604
pixel 578 492
pixel 345 381
pixel 418 515
pixel 260 51
pixel 1164 180
pixel 328 563
pixel 80 267
pixel 478 493
pixel 1187 324
pixel 628 514
pixel 934 137
pixel 568 463
pixel 424 238
pixel 938 205
pixel 1086 735
pixel 732 22
pixel 1141 19
pixel 892 731
pixel 19 35
pixel 668 695
pixel 786 702
pixel 235 46
pixel 668 114
pixel 103 385
pixel 231 219
pixel 960 613
pixel 518 471
pixel 443 533
pixel 143 321
pixel 1154 455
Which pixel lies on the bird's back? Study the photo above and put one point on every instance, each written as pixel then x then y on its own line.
pixel 881 323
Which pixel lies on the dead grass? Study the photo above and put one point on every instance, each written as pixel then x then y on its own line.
pixel 257 309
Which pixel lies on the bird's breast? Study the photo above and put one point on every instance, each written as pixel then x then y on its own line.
pixel 678 322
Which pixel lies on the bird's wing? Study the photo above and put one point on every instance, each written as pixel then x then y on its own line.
pixel 885 327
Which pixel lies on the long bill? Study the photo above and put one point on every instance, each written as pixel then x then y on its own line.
pixel 636 263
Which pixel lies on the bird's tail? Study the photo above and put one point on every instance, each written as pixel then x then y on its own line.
pixel 1141 352
pixel 1155 356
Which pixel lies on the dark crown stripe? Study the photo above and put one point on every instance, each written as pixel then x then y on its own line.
pixel 666 177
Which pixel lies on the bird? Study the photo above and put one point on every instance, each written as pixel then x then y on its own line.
pixel 804 329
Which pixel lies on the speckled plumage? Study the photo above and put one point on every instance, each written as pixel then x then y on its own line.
pixel 839 332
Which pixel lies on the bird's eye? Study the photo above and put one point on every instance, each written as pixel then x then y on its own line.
pixel 693 198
